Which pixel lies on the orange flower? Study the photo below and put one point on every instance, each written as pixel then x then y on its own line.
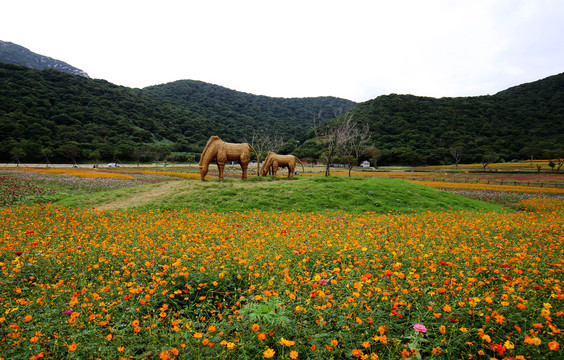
pixel 365 344
pixel 554 345
pixel 285 342
pixel 261 336
pixel 442 329
pixel 197 335
pixel 255 327
pixel 72 347
pixel 109 337
pixel 357 352
pixel 27 317
pixel 212 328
pixel 293 354
pixel 268 353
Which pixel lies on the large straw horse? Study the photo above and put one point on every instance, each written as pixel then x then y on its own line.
pixel 221 151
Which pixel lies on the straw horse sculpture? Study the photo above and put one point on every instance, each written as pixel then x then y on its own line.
pixel 221 151
pixel 274 160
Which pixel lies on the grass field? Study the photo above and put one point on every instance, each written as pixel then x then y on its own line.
pixel 153 264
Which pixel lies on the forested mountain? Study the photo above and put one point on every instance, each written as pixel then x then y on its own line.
pixel 519 123
pixel 62 117
pixel 48 114
pixel 11 53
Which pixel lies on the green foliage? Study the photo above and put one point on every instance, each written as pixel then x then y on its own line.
pixel 46 113
pixel 270 312
pixel 420 130
pixel 49 110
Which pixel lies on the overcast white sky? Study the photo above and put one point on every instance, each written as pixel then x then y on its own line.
pixel 354 49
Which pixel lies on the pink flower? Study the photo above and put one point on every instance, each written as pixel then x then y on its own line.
pixel 323 281
pixel 420 328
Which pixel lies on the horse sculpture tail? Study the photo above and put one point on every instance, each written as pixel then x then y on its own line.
pixel 258 159
pixel 303 169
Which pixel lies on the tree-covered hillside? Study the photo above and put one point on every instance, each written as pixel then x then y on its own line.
pixel 62 117
pixel 52 115
pixel 520 122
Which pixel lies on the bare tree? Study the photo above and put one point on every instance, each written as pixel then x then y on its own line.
pixel 456 152
pixel 488 157
pixel 263 142
pixel 333 137
pixel 355 143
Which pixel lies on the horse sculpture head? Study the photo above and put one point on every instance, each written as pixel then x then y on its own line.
pixel 266 164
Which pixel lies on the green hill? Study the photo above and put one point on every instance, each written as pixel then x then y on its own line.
pixel 47 114
pixel 353 195
pixel 71 118
pixel 520 122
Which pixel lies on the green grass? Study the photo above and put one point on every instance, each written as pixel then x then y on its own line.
pixel 353 195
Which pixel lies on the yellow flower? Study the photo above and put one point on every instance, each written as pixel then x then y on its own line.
pixel 285 342
pixel 509 345
pixel 268 353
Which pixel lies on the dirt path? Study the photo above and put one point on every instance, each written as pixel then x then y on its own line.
pixel 159 191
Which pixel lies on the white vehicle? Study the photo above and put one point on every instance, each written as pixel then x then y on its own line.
pixel 113 165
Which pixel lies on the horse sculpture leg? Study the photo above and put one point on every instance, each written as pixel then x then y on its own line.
pixel 220 166
pixel 274 169
pixel 244 167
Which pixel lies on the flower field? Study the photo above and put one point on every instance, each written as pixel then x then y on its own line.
pixel 78 283
pixel 162 284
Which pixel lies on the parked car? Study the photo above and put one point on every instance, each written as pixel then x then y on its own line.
pixel 113 165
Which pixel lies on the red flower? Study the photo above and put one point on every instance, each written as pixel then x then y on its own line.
pixel 499 348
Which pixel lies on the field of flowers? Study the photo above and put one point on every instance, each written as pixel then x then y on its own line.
pixel 162 284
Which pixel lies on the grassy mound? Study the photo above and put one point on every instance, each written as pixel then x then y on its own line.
pixel 304 194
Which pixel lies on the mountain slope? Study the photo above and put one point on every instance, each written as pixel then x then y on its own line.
pixel 11 53
pixel 520 122
pixel 73 118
